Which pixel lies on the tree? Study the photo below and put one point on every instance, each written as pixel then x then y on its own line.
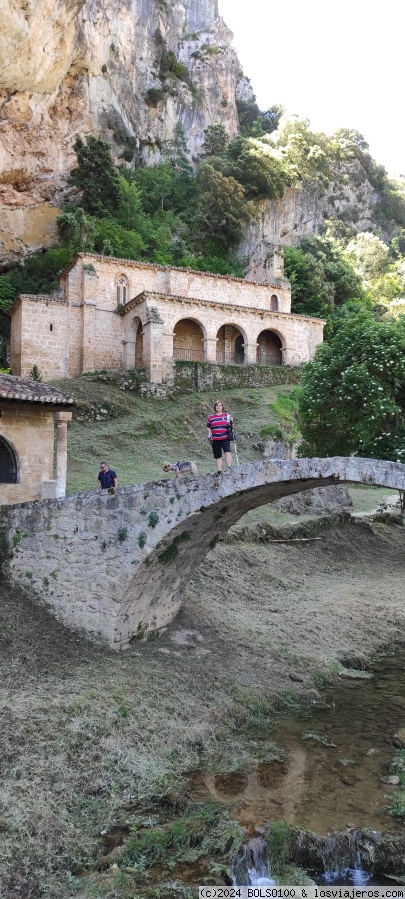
pixel 369 255
pixel 309 295
pixel 112 239
pixel 220 210
pixel 176 151
pixel 255 166
pixel 215 141
pixel 248 113
pixel 353 396
pixel 397 245
pixel 271 118
pixel 130 206
pixel 75 230
pixel 7 293
pixel 306 155
pixel 155 185
pixel 40 273
pixel 321 277
pixel 95 176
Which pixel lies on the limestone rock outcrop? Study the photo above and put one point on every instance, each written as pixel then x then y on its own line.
pixel 302 211
pixel 80 66
pixel 132 71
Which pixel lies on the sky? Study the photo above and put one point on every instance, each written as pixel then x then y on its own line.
pixel 338 64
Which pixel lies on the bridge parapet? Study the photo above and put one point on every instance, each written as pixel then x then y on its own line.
pixel 116 566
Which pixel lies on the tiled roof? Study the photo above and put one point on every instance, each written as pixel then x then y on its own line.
pixel 25 391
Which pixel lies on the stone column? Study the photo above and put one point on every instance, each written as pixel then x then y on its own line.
pixel 129 353
pixel 61 419
pixel 210 349
pixel 152 346
pixel 251 352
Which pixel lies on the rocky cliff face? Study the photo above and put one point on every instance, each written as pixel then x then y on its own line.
pixel 131 71
pixel 302 211
pixel 80 66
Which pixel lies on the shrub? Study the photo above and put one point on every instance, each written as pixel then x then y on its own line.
pixel 154 96
pixel 122 533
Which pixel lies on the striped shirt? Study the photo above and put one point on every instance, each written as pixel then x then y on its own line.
pixel 219 425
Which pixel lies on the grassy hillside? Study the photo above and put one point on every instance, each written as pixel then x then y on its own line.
pixel 137 435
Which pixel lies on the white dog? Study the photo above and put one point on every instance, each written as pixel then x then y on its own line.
pixel 181 468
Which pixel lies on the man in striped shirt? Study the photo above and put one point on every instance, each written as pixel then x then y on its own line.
pixel 219 426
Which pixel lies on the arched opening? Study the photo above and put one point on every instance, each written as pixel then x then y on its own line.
pixel 133 345
pixel 137 326
pixel 230 346
pixel 274 307
pixel 122 290
pixel 188 341
pixel 269 349
pixel 8 463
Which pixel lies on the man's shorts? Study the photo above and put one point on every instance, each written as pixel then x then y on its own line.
pixel 218 446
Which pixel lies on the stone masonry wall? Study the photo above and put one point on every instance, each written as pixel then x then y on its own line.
pixel 39 337
pixel 82 332
pixel 160 279
pixel 31 434
pixel 299 335
pixel 116 566
pixel 202 376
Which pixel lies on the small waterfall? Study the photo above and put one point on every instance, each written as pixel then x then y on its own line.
pixel 353 873
pixel 252 869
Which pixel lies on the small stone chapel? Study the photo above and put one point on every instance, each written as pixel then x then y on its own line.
pixel 121 314
pixel 30 414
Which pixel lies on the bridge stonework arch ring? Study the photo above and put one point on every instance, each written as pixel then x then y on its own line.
pixel 111 589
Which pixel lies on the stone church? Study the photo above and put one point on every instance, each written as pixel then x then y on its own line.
pixel 120 314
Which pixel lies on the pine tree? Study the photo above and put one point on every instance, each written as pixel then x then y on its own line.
pixel 95 176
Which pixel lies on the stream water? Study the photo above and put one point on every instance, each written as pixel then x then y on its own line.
pixel 330 776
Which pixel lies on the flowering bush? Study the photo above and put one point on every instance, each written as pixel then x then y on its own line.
pixel 353 397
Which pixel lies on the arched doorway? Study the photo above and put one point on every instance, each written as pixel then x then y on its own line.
pixel 230 346
pixel 137 325
pixel 188 341
pixel 8 463
pixel 133 347
pixel 269 348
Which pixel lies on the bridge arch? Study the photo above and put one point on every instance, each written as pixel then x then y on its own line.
pixel 126 559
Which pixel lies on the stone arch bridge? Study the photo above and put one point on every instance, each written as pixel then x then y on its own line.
pixel 116 566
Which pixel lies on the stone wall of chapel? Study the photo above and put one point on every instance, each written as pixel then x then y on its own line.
pixel 39 337
pixel 87 333
pixel 30 431
pixel 100 283
pixel 108 337
pixel 299 336
pixel 74 331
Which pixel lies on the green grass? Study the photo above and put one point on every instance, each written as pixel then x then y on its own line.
pixel 366 499
pixel 136 435
pixel 201 830
pixel 284 411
